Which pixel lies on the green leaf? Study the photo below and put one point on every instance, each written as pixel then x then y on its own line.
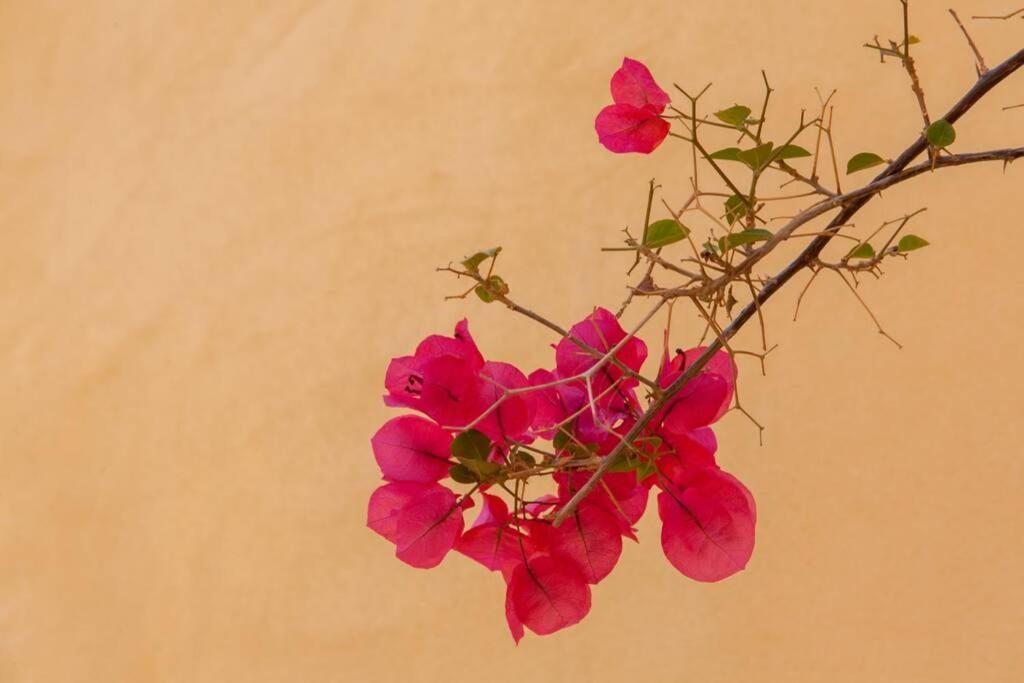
pixel 491 289
pixel 664 232
pixel 914 40
pixel 791 152
pixel 911 243
pixel 735 208
pixel 527 458
pixel 471 445
pixel 745 237
pixel 623 464
pixel 472 263
pixel 644 469
pixel 941 134
pixel 727 154
pixel 472 448
pixel 735 116
pixel 462 474
pixel 757 157
pixel 858 162
pixel 865 251
pixel 561 439
pixel 482 468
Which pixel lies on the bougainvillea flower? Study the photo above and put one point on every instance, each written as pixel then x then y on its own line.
pixel 493 541
pixel 546 595
pixel 619 493
pixel 554 404
pixel 411 448
pixel 697 405
pixel 590 539
pixel 690 449
pixel 633 123
pixel 708 520
pixel 422 520
pixel 708 517
pixel 720 364
pixel 600 331
pixel 610 386
pixel 623 128
pixel 703 401
pixel 633 84
pixel 514 417
pixel 440 380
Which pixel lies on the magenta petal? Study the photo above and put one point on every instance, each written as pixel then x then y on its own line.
pixel 600 331
pixel 515 627
pixel 541 505
pixel 492 541
pixel 493 511
pixel 513 418
pixel 400 380
pixel 461 346
pixel 633 84
pixel 550 403
pixel 707 525
pixel 694 449
pixel 411 448
pixel 623 128
pixel 590 539
pixel 618 493
pixel 496 547
pixel 721 364
pixel 386 504
pixel 698 404
pixel 422 520
pixel 428 529
pixel 450 391
pixel 548 595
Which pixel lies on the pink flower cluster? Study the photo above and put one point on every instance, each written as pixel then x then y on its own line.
pixel 633 123
pixel 489 420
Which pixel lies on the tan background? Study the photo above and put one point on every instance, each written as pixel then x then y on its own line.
pixel 219 220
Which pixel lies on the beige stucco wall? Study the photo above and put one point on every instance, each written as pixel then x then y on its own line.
pixel 219 220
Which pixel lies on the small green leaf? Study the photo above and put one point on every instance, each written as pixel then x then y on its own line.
pixel 914 40
pixel 735 116
pixel 791 152
pixel 482 468
pixel 664 232
pixel 864 251
pixel 527 458
pixel 471 445
pixel 472 263
pixel 757 157
pixel 644 469
pixel 745 237
pixel 623 465
pixel 561 440
pixel 911 243
pixel 491 289
pixel 462 474
pixel 727 154
pixel 735 208
pixel 858 162
pixel 941 134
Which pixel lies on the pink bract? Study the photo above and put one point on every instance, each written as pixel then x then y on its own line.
pixel 708 517
pixel 422 520
pixel 411 448
pixel 633 123
pixel 623 128
pixel 708 520
pixel 547 596
pixel 590 538
pixel 633 84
